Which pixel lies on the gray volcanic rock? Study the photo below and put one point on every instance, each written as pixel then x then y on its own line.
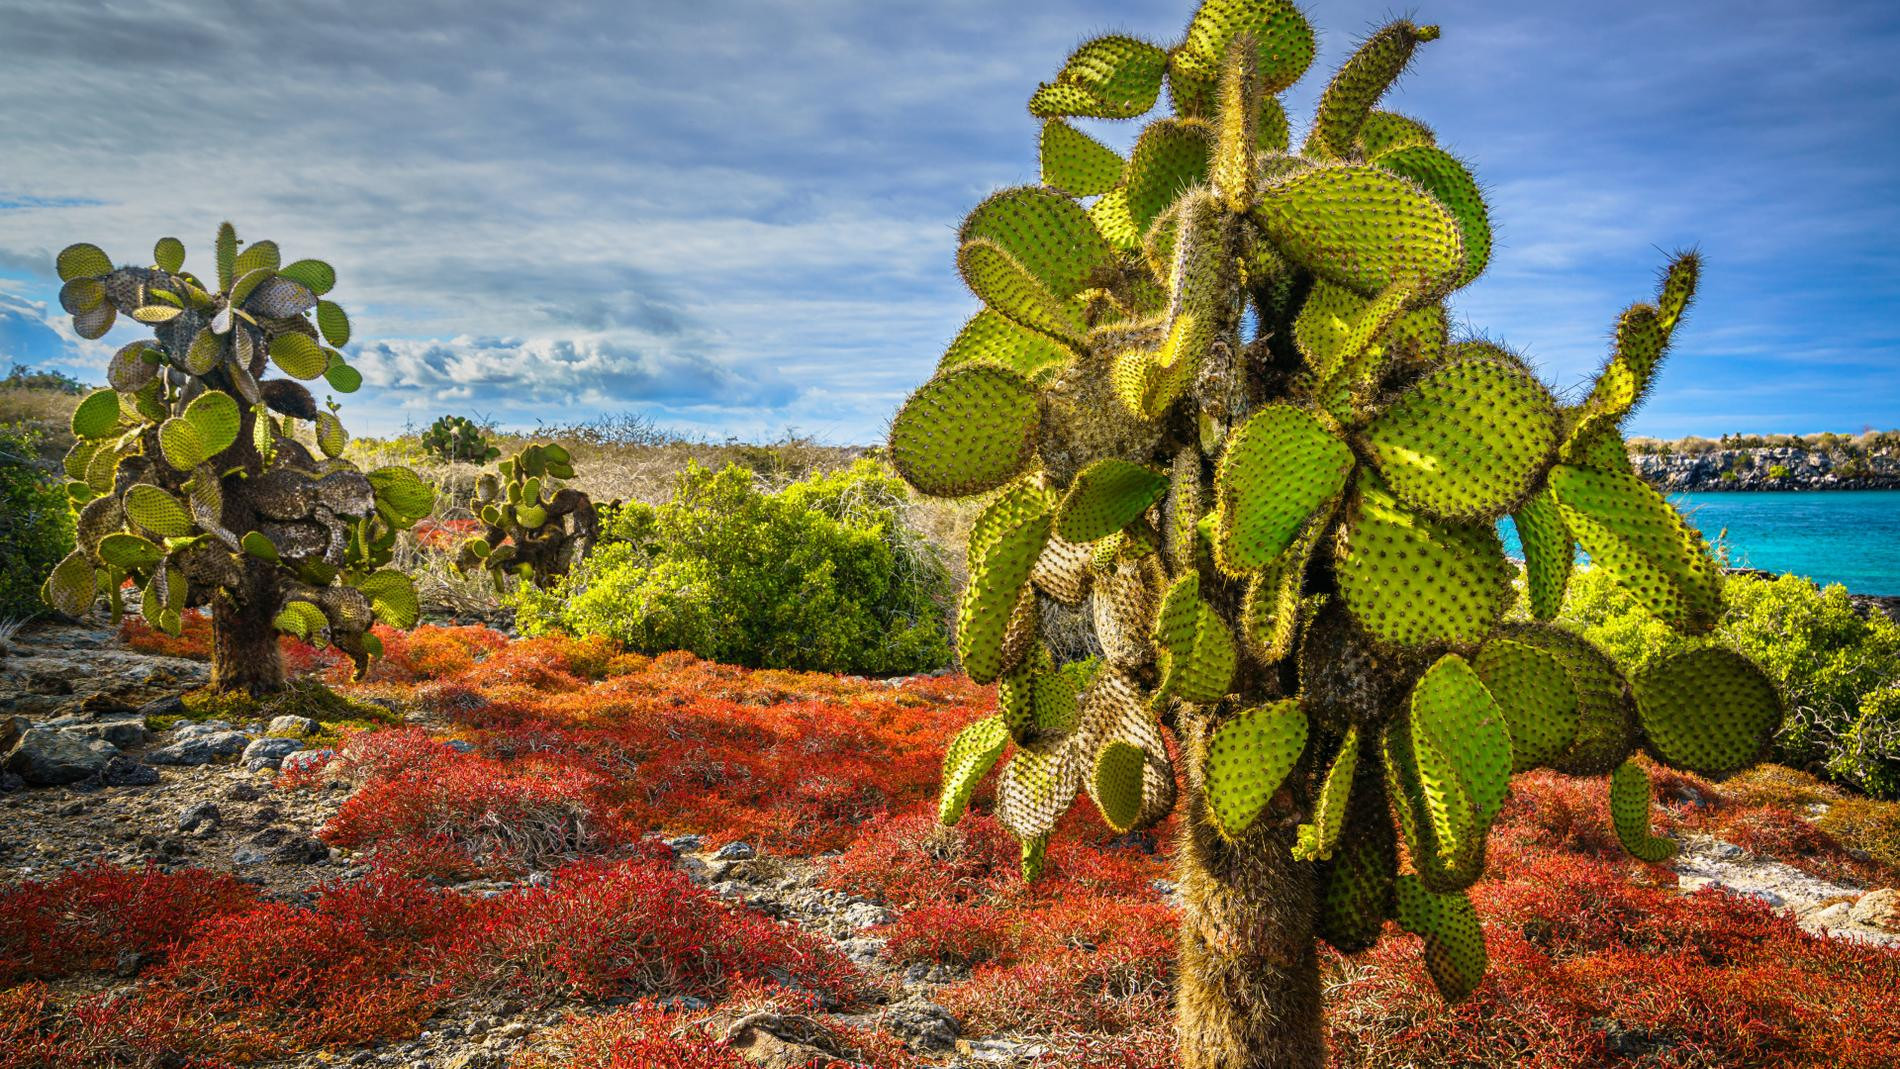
pixel 47 758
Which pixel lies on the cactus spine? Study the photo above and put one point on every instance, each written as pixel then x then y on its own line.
pixel 1286 536
pixel 188 475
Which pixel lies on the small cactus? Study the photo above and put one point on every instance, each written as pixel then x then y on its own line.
pixel 1213 396
pixel 457 438
pixel 188 475
pixel 534 528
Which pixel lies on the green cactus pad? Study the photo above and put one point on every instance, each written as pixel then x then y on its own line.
pixel 1384 131
pixel 1046 232
pixel 1058 695
pixel 1629 815
pixel 1678 289
pixel 1467 441
pixel 1356 885
pixel 94 323
pixel 1036 788
pixel 1004 544
pixel 1016 692
pixel 314 275
pixel 1283 49
pixel 1169 158
pixel 169 255
pixel 1270 607
pixel 1316 840
pixel 154 509
pixel 257 256
pixel 1271 129
pixel 1248 757
pixel 133 366
pixel 972 753
pixel 82 261
pixel 82 295
pixel 1279 468
pixel 392 597
pixel 1460 737
pixel 341 376
pixel 1411 580
pixel 1641 341
pixel 1076 163
pixel 1533 689
pixel 73 585
pixel 1181 510
pixel 1363 228
pixel 1107 496
pixel 1106 78
pixel 1323 326
pixel 1116 783
pixel 1633 533
pixel 97 415
pixel 993 338
pixel 1359 84
pixel 1454 937
pixel 1606 713
pixel 1114 221
pixel 966 431
pixel 333 323
pixel 1010 288
pixel 302 619
pixel 402 491
pixel 1440 173
pixel 1711 711
pixel 298 356
pixel 1193 645
pixel 128 551
pixel 1550 554
pixel 1602 449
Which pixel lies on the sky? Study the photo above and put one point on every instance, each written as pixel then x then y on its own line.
pixel 738 218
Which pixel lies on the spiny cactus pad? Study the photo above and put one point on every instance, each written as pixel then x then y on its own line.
pixel 1248 758
pixel 1279 468
pixel 1107 496
pixel 1534 692
pixel 1454 938
pixel 971 755
pixel 1318 837
pixel 1411 580
pixel 969 430
pixel 1641 540
pixel 1629 815
pixel 1467 441
pixel 1106 78
pixel 1710 710
pixel 1363 228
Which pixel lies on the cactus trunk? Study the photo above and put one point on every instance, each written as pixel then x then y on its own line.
pixel 244 651
pixel 1248 994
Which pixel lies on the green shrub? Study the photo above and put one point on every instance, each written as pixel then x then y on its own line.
pixel 1778 471
pixel 822 575
pixel 1836 667
pixel 36 526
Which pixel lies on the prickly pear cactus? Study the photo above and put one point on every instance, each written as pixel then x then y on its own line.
pixel 535 528
pixel 453 438
pixel 1212 396
pixel 190 478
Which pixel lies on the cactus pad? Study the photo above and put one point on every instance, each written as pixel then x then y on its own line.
pixel 1036 788
pixel 1280 467
pixel 1467 441
pixel 1534 692
pixel 1445 178
pixel 1550 554
pixel 971 755
pixel 1454 938
pixel 1169 158
pixel 1629 815
pixel 1248 757
pixel 1356 885
pixel 72 586
pixel 1044 231
pixel 1384 131
pixel 1283 49
pixel 1317 839
pixel 1106 78
pixel 1412 580
pixel 1107 496
pixel 993 338
pixel 154 509
pixel 1116 783
pixel 1361 80
pixel 1632 532
pixel 1076 163
pixel 1709 710
pixel 97 415
pixel 967 431
pixel 1363 228
pixel 1196 651
pixel 298 356
pixel 1606 713
pixel 1004 544
pixel 1008 286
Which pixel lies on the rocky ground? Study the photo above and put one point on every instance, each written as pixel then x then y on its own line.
pixel 86 780
pixel 1768 469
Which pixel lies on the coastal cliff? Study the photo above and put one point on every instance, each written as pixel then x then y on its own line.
pixel 1818 462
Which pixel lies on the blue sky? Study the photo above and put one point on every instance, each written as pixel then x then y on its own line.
pixel 740 217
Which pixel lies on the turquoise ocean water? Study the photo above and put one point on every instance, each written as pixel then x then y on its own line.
pixel 1850 537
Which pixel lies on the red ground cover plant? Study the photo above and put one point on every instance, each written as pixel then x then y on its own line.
pixel 107 918
pixel 644 1036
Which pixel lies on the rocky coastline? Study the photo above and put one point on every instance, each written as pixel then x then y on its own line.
pixel 1768 468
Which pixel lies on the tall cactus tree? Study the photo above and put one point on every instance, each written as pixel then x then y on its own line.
pixel 1212 396
pixel 188 474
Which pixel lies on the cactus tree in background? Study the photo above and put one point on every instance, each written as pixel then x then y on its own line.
pixel 533 527
pixel 188 475
pixel 1213 399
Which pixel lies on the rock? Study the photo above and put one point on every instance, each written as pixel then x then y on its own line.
pixel 736 851
pixel 11 728
pixel 472 1058
pixel 293 725
pixel 122 771
pixel 248 855
pixel 242 792
pixel 97 707
pixel 200 749
pixel 306 760
pixel 124 734
pixel 49 758
pixel 461 746
pixel 169 705
pixel 866 915
pixel 1878 909
pixel 302 850
pixel 201 815
pixel 201 728
pixel 680 844
pixel 924 1026
pixel 268 753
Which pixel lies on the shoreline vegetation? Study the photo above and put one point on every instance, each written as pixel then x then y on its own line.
pixel 1754 462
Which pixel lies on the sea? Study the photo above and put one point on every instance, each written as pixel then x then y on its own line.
pixel 1851 537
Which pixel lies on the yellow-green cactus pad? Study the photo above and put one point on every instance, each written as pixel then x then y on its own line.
pixel 1114 221
pixel 1046 232
pixel 82 260
pixel 1106 78
pixel 1115 783
pixel 1356 885
pixel 1006 285
pixel 1195 649
pixel 1036 788
pixel 314 275
pixel 1606 712
pixel 298 355
pixel 1447 787
pixel 1467 441
pixel 1359 83
pixel 1170 158
pixel 1385 131
pixel 1283 49
pixel 1323 326
pixel 1181 510
pixel 1412 580
pixel 1641 341
pixel 258 256
pixel 1016 692
pixel 1550 554
pixel 1076 163
pixel 972 753
pixel 1629 815
pixel 1004 545
pixel 1248 758
pixel 72 586
pixel 1058 695
pixel 97 415
pixel 1454 937
pixel 1279 468
pixel 302 619
pixel 1270 607
pixel 128 551
pixel 1363 228
pixel 154 509
pixel 1316 839
pixel 82 295
pixel 1678 288
pixel 1107 496
pixel 968 430
pixel 1711 711
pixel 1533 689
pixel 1635 535
pixel 402 492
pixel 1440 173
pixel 1602 449
pixel 392 597
pixel 333 323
